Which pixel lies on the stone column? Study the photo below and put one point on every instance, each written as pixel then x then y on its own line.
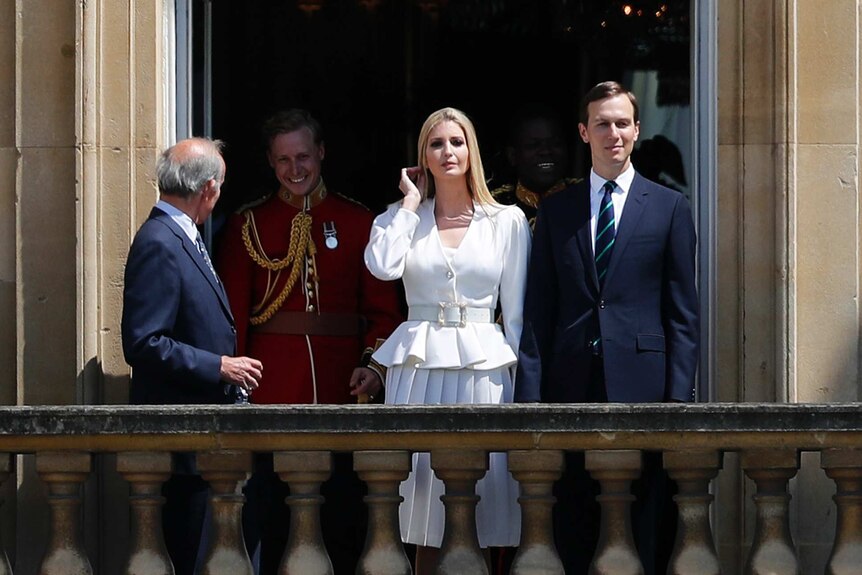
pixel 536 472
pixel 824 81
pixel 5 469
pixel 9 154
pixel 226 472
pixel 146 471
pixel 615 470
pixel 844 466
pixel 64 472
pixel 40 243
pixel 459 470
pixel 383 472
pixel 93 200
pixel 772 551
pixel 46 207
pixel 304 472
pixel 123 67
pixel 694 550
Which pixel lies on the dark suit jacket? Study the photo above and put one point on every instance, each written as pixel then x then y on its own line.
pixel 176 320
pixel 646 313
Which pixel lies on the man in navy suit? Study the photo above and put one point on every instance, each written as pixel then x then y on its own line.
pixel 178 332
pixel 611 310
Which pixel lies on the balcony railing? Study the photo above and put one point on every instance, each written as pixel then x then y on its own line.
pixel 769 439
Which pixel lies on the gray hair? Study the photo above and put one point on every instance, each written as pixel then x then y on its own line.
pixel 184 168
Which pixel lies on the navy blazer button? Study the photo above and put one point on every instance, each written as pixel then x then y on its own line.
pixel 602 304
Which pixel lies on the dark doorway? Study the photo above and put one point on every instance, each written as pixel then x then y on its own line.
pixel 372 70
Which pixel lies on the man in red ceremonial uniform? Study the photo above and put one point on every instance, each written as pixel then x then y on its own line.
pixel 307 307
pixel 292 266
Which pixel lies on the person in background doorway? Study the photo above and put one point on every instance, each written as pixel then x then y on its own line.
pixel 538 152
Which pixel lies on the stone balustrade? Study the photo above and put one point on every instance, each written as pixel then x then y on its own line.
pixel 768 438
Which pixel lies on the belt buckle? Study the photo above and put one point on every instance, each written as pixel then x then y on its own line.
pixel 446 316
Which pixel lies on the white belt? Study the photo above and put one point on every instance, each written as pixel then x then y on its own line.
pixel 450 314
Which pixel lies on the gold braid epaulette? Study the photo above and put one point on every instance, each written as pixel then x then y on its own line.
pixel 300 245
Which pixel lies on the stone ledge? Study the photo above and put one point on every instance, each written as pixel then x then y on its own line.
pixel 529 417
pixel 495 428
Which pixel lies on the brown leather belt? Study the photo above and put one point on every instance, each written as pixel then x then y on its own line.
pixel 312 323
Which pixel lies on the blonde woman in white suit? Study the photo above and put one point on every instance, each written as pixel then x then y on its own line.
pixel 459 251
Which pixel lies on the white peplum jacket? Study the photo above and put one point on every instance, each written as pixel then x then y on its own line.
pixel 488 266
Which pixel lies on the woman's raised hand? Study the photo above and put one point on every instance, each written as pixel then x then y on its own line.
pixel 411 180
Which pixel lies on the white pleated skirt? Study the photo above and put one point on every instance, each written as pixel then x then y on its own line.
pixel 498 515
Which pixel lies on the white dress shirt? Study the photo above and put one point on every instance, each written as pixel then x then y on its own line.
pixel 182 219
pixel 618 196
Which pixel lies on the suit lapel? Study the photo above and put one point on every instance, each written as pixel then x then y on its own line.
pixel 198 258
pixel 192 251
pixel 581 213
pixel 633 210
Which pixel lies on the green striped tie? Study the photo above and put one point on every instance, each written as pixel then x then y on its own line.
pixel 605 232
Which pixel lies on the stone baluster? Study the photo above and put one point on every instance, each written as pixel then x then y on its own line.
pixel 459 470
pixel 383 472
pixel 63 473
pixel 844 466
pixel 5 470
pixel 226 472
pixel 694 549
pixel 146 471
pixel 615 470
pixel 304 471
pixel 772 550
pixel 536 472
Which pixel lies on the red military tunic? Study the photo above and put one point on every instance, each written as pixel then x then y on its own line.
pixel 333 284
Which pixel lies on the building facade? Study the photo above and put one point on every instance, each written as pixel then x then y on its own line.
pixel 88 100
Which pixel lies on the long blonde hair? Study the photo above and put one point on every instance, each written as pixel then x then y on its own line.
pixel 475 173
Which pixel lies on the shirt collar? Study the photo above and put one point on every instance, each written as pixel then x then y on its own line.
pixel 181 218
pixel 623 181
pixel 310 200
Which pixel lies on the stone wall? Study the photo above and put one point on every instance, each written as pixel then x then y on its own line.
pixel 788 233
pixel 80 126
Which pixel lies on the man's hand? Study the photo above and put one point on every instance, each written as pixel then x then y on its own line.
pixel 365 381
pixel 244 372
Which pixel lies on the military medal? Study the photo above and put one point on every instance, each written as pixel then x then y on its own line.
pixel 330 235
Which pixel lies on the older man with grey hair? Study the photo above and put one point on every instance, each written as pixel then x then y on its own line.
pixel 178 332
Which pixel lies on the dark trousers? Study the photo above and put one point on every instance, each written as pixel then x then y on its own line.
pixel 577 514
pixel 183 519
pixel 343 516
